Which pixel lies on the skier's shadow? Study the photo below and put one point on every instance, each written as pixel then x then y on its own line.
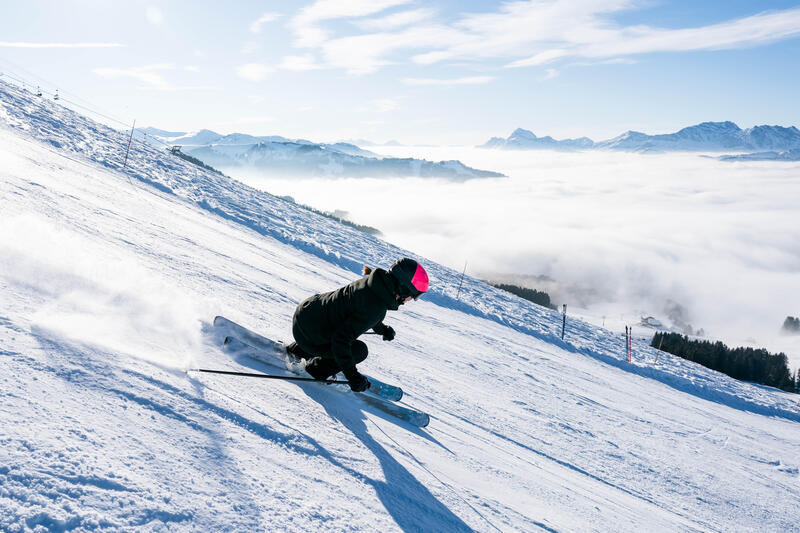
pixel 412 506
pixel 242 359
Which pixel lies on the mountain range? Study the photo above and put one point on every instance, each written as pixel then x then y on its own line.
pixel 276 155
pixel 707 136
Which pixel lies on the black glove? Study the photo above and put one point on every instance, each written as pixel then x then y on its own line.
pixel 388 333
pixel 356 380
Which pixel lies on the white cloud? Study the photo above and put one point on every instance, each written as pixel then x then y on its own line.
pixel 521 33
pixel 299 63
pixel 253 71
pixel 8 44
pixel 147 74
pixel 550 73
pixel 597 38
pixel 397 20
pixel 154 15
pixel 541 58
pixel 247 121
pixel 150 76
pixel 366 53
pixel 255 26
pixel 249 48
pixel 611 61
pixel 191 68
pixel 380 105
pixel 472 80
pixel 306 23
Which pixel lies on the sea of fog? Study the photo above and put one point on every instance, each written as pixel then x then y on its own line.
pixel 680 237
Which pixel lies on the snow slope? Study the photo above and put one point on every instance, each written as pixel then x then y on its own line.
pixel 109 278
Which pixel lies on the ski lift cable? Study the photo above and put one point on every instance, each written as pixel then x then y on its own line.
pixel 16 77
pixel 29 74
pixel 59 93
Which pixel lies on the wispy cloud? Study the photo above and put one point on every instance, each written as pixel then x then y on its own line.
pixel 246 121
pixel 397 20
pixel 518 34
pixel 255 26
pixel 253 71
pixel 362 54
pixel 541 58
pixel 155 15
pixel 307 23
pixel 149 74
pixel 299 63
pixel 8 44
pixel 594 41
pixel 471 80
pixel 550 73
pixel 380 105
pixel 249 47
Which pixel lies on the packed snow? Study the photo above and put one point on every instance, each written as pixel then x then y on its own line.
pixel 110 278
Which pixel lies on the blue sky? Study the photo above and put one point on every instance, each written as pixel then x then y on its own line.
pixel 419 72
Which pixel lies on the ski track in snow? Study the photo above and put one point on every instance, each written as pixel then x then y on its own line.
pixel 109 278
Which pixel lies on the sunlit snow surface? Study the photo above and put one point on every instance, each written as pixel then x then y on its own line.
pixel 109 280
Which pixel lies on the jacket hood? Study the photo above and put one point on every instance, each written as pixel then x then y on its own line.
pixel 384 285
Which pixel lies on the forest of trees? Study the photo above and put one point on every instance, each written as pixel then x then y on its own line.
pixel 333 216
pixel 532 295
pixel 195 161
pixel 747 364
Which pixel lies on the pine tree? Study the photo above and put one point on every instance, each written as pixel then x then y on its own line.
pixel 791 325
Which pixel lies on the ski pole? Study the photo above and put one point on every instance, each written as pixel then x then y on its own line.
pixel 268 376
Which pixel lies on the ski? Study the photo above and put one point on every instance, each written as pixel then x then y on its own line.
pixel 268 351
pixel 413 417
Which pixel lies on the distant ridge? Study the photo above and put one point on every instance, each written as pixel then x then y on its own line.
pixel 521 139
pixel 276 155
pixel 788 155
pixel 707 136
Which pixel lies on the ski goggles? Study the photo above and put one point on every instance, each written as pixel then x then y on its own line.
pixel 410 297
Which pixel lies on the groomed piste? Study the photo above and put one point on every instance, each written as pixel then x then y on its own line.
pixel 110 277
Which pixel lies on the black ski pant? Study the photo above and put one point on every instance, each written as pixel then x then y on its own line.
pixel 303 347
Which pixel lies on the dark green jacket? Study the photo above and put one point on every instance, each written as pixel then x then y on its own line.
pixel 337 318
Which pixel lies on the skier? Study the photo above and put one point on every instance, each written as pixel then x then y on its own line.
pixel 326 326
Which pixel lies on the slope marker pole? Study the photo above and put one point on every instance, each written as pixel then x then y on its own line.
pixel 458 293
pixel 125 164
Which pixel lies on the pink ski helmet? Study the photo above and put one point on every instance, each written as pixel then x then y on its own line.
pixel 412 278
